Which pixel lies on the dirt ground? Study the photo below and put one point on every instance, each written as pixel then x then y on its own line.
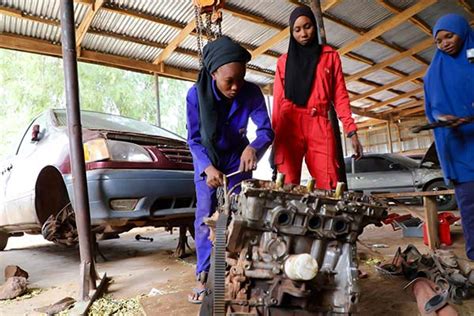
pixel 137 267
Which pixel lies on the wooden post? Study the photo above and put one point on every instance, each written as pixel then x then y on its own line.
pixel 400 145
pixel 431 216
pixel 157 92
pixel 389 137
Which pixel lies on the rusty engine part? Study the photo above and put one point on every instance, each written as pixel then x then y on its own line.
pixel 452 275
pixel 61 228
pixel 291 249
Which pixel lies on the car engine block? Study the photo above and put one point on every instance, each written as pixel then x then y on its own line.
pixel 292 250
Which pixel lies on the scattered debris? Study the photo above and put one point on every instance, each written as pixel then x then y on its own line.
pixel 442 267
pixel 155 292
pixel 430 299
pixel 13 287
pixel 379 246
pixel 57 307
pixel 139 237
pixel 15 271
pixel 107 305
pixel 373 262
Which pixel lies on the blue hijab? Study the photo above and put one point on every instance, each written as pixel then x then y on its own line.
pixel 449 89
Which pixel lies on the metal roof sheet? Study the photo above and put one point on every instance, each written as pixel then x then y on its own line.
pixel 362 14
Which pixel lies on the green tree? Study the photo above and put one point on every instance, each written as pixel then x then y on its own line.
pixel 30 84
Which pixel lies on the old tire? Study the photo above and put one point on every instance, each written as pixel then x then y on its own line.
pixel 3 240
pixel 444 202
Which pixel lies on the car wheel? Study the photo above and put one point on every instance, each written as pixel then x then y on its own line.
pixel 3 240
pixel 444 202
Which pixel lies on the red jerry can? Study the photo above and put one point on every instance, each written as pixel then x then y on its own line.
pixel 446 219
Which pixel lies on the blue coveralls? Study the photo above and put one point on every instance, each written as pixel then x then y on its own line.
pixel 231 142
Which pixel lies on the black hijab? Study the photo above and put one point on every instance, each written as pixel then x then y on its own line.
pixel 301 62
pixel 215 54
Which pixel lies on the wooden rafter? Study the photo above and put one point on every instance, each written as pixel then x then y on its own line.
pixel 409 112
pixel 22 15
pixel 417 48
pixel 175 42
pixel 328 4
pixel 467 6
pixel 392 84
pixel 86 22
pixel 26 44
pixel 385 26
pixel 404 106
pixel 277 38
pixel 395 99
pixel 423 26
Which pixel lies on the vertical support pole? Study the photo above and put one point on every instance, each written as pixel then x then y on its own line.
pixel 400 144
pixel 341 172
pixel 431 221
pixel 79 180
pixel 389 137
pixel 158 107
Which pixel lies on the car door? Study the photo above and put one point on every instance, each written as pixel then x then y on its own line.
pixel 20 178
pixel 380 174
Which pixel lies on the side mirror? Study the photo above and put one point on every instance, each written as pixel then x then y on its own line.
pixel 35 133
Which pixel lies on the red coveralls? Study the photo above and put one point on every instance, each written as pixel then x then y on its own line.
pixel 306 131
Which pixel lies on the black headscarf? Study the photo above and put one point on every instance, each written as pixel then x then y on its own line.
pixel 301 62
pixel 215 54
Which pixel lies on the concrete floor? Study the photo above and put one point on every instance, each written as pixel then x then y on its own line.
pixel 137 267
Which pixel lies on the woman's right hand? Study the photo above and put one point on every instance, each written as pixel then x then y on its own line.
pixel 214 178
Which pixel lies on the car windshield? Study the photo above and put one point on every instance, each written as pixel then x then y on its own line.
pixel 96 120
pixel 405 161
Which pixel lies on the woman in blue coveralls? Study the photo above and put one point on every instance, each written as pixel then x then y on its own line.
pixel 449 94
pixel 219 106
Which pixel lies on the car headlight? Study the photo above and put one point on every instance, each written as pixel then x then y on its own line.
pixel 102 149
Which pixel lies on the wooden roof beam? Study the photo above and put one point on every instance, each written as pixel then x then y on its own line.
pixel 86 22
pixel 410 112
pixel 467 6
pixel 25 44
pixel 175 42
pixel 423 26
pixel 404 106
pixel 392 84
pixel 387 25
pixel 417 48
pixel 395 99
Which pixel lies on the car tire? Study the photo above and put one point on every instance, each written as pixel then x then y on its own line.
pixel 445 202
pixel 3 240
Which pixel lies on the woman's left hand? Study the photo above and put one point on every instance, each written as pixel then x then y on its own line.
pixel 357 147
pixel 248 160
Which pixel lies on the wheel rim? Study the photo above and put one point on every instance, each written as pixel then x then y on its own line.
pixel 442 199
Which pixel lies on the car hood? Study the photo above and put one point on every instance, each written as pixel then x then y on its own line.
pixel 142 139
pixel 431 156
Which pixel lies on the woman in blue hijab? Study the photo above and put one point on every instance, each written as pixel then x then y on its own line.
pixel 449 94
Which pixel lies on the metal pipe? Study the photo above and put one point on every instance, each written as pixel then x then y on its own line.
pixel 79 181
pixel 158 106
pixel 341 172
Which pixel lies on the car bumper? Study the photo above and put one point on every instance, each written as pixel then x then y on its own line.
pixel 159 194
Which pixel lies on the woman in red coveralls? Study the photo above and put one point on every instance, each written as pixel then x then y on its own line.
pixel 308 79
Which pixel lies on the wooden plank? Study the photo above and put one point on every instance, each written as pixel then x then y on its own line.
pixel 23 15
pixel 413 194
pixel 328 4
pixel 422 25
pixel 277 38
pixel 86 22
pixel 431 220
pixel 392 84
pixel 389 137
pixel 175 42
pixel 411 111
pixel 404 106
pixel 467 6
pixel 385 26
pixel 415 49
pixel 26 44
pixel 394 99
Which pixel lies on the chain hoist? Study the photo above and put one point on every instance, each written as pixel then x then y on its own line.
pixel 208 22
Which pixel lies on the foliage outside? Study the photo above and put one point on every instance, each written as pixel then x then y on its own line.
pixel 30 84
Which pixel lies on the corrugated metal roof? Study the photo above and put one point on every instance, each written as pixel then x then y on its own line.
pixel 273 10
pixel 245 31
pixel 361 14
pixel 23 27
pixel 179 11
pixel 139 28
pixel 407 65
pixel 49 9
pixel 374 51
pixel 118 47
pixel 405 35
